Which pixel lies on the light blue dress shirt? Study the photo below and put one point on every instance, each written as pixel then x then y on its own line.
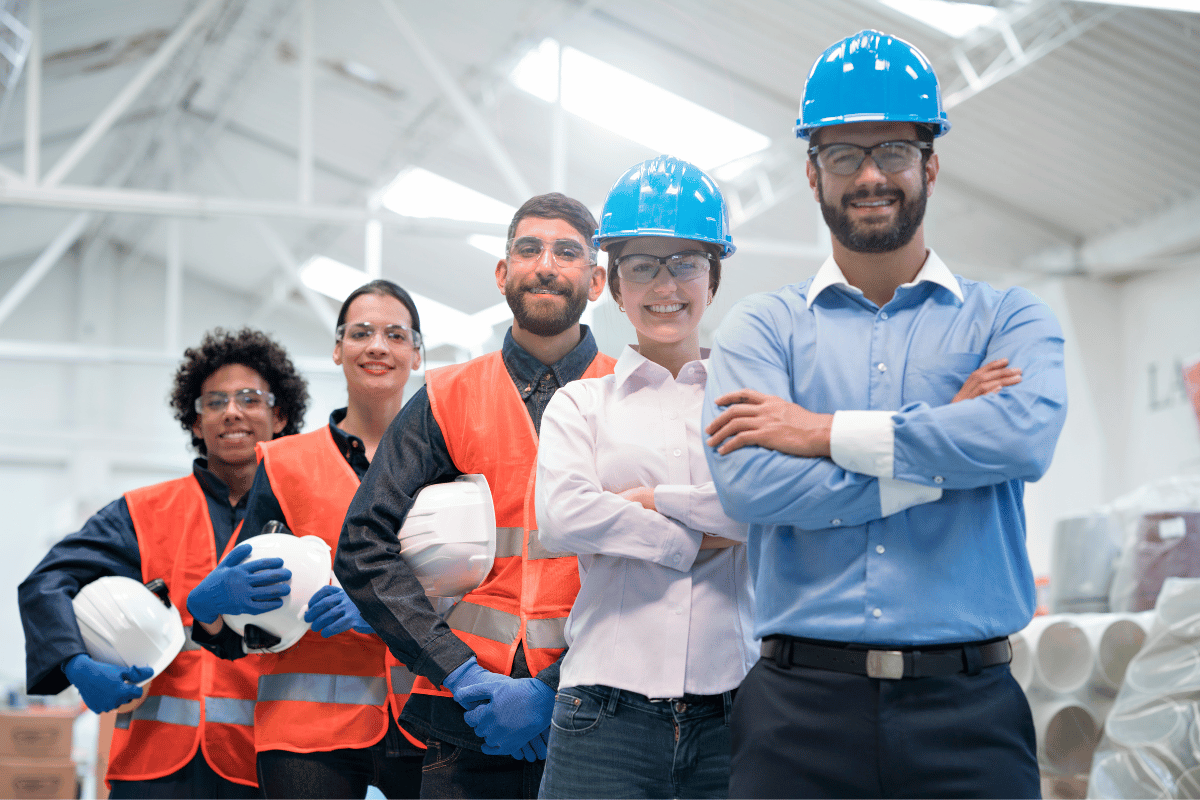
pixel 849 549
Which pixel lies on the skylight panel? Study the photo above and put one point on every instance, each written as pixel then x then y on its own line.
pixel 417 192
pixel 492 245
pixel 952 19
pixel 635 108
pixel 331 278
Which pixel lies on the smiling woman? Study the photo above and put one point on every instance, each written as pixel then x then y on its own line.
pixel 307 483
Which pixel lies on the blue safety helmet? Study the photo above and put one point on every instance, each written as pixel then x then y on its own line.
pixel 665 196
pixel 871 76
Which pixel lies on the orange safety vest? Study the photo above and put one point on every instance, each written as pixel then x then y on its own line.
pixel 527 596
pixel 199 700
pixel 322 694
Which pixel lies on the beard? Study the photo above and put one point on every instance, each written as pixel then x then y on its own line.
pixel 545 322
pixel 872 239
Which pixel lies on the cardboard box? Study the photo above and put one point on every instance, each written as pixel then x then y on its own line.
pixel 37 777
pixel 36 732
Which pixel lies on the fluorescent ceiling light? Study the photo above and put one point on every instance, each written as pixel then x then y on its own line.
pixel 331 278
pixel 634 108
pixel 417 192
pixel 952 19
pixel 1169 5
pixel 492 245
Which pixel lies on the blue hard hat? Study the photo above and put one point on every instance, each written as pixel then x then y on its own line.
pixel 665 196
pixel 871 76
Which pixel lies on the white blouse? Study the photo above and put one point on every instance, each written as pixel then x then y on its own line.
pixel 655 614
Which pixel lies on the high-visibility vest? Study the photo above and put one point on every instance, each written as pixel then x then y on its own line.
pixel 199 700
pixel 322 694
pixel 525 599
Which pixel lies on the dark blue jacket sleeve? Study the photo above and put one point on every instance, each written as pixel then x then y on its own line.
pixel 106 545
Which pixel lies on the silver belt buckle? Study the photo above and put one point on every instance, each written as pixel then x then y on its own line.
pixel 887 664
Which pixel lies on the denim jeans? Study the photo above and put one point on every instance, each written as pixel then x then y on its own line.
pixel 607 742
pixel 460 773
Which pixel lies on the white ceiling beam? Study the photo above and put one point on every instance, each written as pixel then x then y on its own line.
pixel 466 109
pixel 1134 248
pixel 33 95
pixel 305 180
pixel 193 206
pixel 70 353
pixel 42 264
pixel 119 104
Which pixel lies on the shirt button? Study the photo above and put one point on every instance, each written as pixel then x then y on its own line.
pixel 938 479
pixel 877 613
pixel 676 559
pixel 881 367
pixel 879 549
pixel 835 522
pixel 883 315
pixel 678 452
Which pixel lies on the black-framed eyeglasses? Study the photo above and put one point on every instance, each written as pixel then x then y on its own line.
pixel 566 253
pixel 395 335
pixel 843 158
pixel 684 266
pixel 211 404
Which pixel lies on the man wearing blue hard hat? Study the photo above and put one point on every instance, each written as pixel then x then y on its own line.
pixel 875 425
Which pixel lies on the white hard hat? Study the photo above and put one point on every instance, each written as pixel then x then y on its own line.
pixel 126 624
pixel 310 561
pixel 449 536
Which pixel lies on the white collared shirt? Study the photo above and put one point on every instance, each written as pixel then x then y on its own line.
pixel 655 614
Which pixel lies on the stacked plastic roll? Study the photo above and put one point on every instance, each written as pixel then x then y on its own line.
pixel 1151 744
pixel 1071 667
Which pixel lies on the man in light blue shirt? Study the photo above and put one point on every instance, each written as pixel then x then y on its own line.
pixel 887 532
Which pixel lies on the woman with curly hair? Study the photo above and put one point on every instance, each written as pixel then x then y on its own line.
pixel 324 725
pixel 189 732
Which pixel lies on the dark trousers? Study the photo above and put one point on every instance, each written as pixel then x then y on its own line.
pixel 392 765
pixel 801 732
pixel 454 772
pixel 195 780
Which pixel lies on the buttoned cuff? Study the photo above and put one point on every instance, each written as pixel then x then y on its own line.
pixel 897 495
pixel 863 442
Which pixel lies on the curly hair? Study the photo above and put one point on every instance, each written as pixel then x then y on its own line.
pixel 250 348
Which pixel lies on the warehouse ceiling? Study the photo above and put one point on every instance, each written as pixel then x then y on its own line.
pixel 270 128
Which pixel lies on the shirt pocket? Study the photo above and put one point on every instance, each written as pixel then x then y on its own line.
pixel 937 377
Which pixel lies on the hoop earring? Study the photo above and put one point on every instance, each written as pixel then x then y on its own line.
pixel 621 308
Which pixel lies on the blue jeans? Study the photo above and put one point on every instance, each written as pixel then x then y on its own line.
pixel 607 742
pixel 460 773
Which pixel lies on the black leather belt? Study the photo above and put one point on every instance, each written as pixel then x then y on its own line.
pixel 935 662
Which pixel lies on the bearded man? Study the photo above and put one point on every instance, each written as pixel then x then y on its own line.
pixel 483 417
pixel 876 425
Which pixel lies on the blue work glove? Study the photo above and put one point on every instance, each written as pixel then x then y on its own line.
pixel 533 750
pixel 238 586
pixel 331 611
pixel 471 674
pixel 514 715
pixel 102 686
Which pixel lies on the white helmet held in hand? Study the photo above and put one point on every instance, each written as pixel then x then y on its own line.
pixel 129 625
pixel 310 561
pixel 449 536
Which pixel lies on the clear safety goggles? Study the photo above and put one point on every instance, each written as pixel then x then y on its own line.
pixel 210 404
pixel 395 335
pixel 686 266
pixel 566 253
pixel 843 158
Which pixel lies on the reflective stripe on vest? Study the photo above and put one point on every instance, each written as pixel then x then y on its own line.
pixel 510 541
pixel 488 623
pixel 546 633
pixel 319 688
pixel 162 708
pixel 402 680
pixel 229 710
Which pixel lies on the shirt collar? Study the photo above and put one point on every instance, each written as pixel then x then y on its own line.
pixel 343 440
pixel 632 364
pixel 933 270
pixel 527 371
pixel 213 486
